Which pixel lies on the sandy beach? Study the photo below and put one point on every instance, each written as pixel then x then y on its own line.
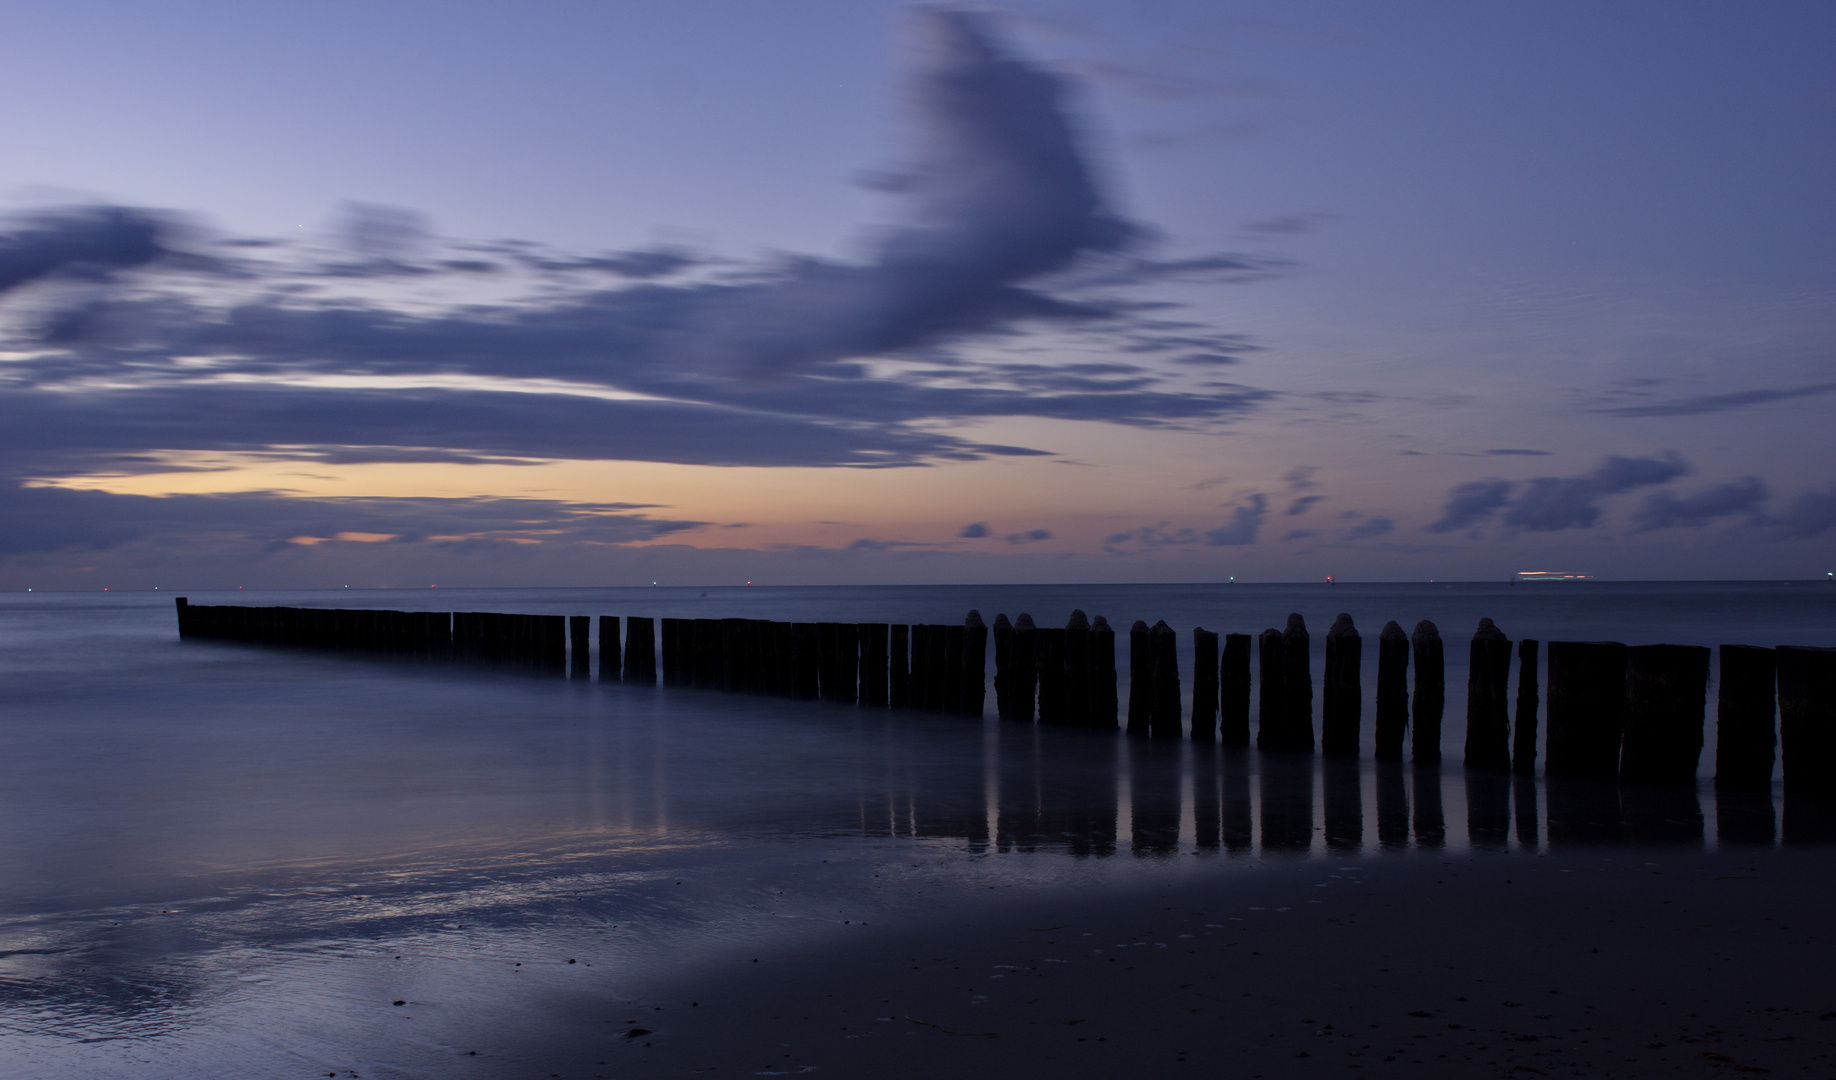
pixel 1603 963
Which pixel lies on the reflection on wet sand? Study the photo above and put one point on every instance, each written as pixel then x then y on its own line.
pixel 1091 794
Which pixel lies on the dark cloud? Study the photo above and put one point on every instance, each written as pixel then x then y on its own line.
pixel 88 242
pixel 1518 453
pixel 1713 403
pixel 1370 528
pixel 1303 504
pixel 1245 521
pixel 1287 224
pixel 1300 478
pixel 1031 536
pixel 1471 503
pixel 974 531
pixel 757 365
pixel 1552 503
pixel 867 543
pixel 1664 510
pixel 45 519
pixel 1301 534
pixel 1812 513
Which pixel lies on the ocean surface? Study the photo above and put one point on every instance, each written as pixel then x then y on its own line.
pixel 226 860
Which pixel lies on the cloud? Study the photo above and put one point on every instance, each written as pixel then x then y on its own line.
pixel 1713 403
pixel 1031 536
pixel 1812 513
pixel 1553 503
pixel 1287 224
pixel 1370 528
pixel 1303 504
pixel 1470 503
pixel 1243 525
pixel 1301 534
pixel 1518 453
pixel 86 242
pixel 974 531
pixel 1300 478
pixel 46 519
pixel 1664 510
pixel 799 361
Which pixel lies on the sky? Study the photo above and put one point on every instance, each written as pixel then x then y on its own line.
pixel 401 294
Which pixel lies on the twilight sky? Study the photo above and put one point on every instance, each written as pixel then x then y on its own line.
pixel 851 291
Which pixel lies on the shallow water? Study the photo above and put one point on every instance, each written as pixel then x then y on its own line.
pixel 230 860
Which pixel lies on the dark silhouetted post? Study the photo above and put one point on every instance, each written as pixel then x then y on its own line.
pixel 1666 700
pixel 1049 662
pixel 1204 685
pixel 923 685
pixel 847 663
pixel 1103 701
pixel 1165 653
pixel 1807 722
pixel 806 662
pixel 951 672
pixel 611 661
pixel 1523 736
pixel 873 665
pixel 640 651
pixel 1234 691
pixel 1746 739
pixel 1587 701
pixel 1297 678
pixel 975 664
pixel 1004 664
pixel 1430 692
pixel 1342 703
pixel 899 666
pixel 184 617
pixel 1271 710
pixel 1077 670
pixel 1488 709
pixel 672 652
pixel 1140 680
pixel 1025 681
pixel 579 634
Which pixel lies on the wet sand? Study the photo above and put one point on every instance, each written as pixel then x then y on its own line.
pixel 1611 962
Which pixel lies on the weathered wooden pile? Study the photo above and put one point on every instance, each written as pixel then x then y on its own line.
pixel 1635 712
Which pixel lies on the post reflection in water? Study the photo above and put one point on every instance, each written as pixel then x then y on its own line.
pixel 1091 794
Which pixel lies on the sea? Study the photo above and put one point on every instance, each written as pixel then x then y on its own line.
pixel 227 860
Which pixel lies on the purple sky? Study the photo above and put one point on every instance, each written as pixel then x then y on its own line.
pixel 552 294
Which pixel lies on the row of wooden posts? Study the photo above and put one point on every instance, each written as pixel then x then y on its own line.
pixel 1637 712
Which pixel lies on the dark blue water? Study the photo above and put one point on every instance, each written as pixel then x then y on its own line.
pixel 212 856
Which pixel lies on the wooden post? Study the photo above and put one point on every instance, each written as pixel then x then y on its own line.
pixel 1024 685
pixel 1430 691
pixel 1342 703
pixel 553 631
pixel 873 665
pixel 975 664
pixel 1049 664
pixel 899 669
pixel 1666 699
pixel 710 653
pixel 1297 675
pixel 806 660
pixel 828 686
pixel 183 605
pixel 767 670
pixel 1807 722
pixel 1140 680
pixel 672 652
pixel 923 685
pixel 1234 690
pixel 579 634
pixel 1523 736
pixel 787 658
pixel 950 672
pixel 1488 716
pixel 640 651
pixel 1004 665
pixel 1077 670
pixel 1271 710
pixel 1164 645
pixel 1746 740
pixel 1587 699
pixel 1204 685
pixel 1103 703
pixel 611 660
pixel 847 663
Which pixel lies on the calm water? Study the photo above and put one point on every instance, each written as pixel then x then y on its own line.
pixel 220 860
